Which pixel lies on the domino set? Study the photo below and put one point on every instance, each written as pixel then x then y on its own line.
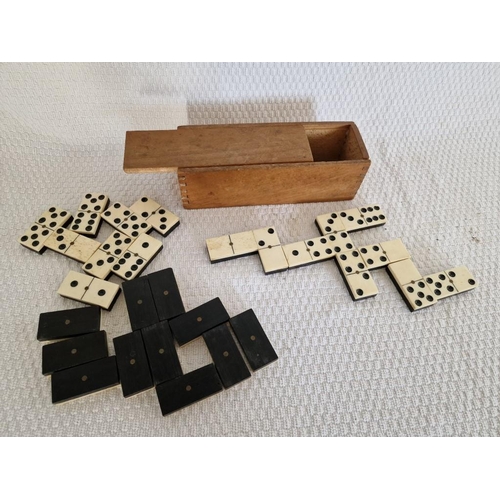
pixel 147 357
pixel 126 253
pixel 354 263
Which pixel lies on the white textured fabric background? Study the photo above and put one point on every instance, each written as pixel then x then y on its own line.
pixel 368 368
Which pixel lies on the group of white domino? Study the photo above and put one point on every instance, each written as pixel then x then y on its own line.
pixel 125 253
pixel 354 263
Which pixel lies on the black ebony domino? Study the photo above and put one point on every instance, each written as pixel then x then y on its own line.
pixel 194 323
pixel 133 365
pixel 74 352
pixel 69 323
pixel 84 379
pixel 162 356
pixel 188 389
pixel 140 304
pixel 166 294
pixel 227 358
pixel 253 340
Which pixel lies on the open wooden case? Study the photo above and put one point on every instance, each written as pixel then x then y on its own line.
pixel 254 164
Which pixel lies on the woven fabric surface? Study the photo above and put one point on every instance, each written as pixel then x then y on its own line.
pixel 344 368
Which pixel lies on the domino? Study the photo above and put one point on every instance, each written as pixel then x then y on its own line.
pixel 374 256
pixel 350 262
pixel 84 379
pixel 352 219
pixel 82 248
pixel 266 237
pixel 60 240
pixel 68 323
pixel 341 242
pixel 128 266
pixel 220 248
pixel 73 352
pixel 35 237
pixel 188 389
pixel 87 223
pixel 166 295
pixel 54 217
pixel 134 226
pixel 403 272
pixel 145 207
pixel 191 325
pixel 116 214
pixel 441 285
pixel 116 244
pixel 361 285
pixel 417 295
pixel 373 215
pixel 140 303
pixel 229 363
pixel 297 254
pixel 89 290
pixel 321 248
pixel 395 250
pixel 253 340
pixel 133 365
pixel 160 349
pixel 243 243
pixel 273 260
pixel 145 246
pixel 163 221
pixel 100 264
pixel 329 223
pixel 94 202
pixel 461 278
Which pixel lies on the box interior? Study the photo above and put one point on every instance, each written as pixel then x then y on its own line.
pixel 334 143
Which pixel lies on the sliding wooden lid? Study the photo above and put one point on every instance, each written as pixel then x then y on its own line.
pixel 167 150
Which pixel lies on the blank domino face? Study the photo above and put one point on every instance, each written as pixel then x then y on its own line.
pixel 134 226
pixel 361 285
pixel 297 254
pixel 145 207
pixel 330 223
pixel 54 217
pixel 99 264
pixel 116 214
pixel 87 223
pixel 35 237
pixel 94 202
pixel 116 244
pixel 418 295
pixel 266 237
pixel 60 240
pixel 164 221
pixel 140 303
pixel 168 300
pixel 404 272
pixel 352 219
pixel 321 248
pixel 351 262
pixel 395 250
pixel 220 248
pixel 374 256
pixel 373 215
pixel 462 279
pixel 441 285
pixel 82 248
pixel 243 243
pixel 145 246
pixel 273 260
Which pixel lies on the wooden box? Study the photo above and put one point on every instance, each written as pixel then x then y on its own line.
pixel 254 164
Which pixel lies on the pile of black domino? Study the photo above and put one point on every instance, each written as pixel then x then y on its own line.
pixel 147 357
